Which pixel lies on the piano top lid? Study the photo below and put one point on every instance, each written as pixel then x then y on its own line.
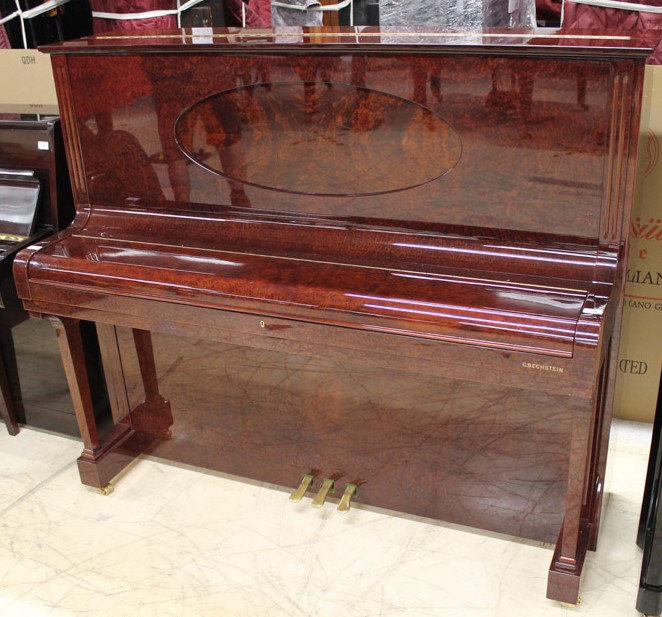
pixel 27 121
pixel 515 41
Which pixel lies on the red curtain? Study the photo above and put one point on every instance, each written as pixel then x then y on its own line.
pixel 258 12
pixel 4 39
pixel 586 16
pixel 133 6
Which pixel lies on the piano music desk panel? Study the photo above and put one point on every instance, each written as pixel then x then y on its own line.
pixel 385 264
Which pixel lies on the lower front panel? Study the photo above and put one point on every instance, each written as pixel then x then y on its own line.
pixel 460 451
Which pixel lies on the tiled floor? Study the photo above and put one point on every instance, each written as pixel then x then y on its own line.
pixel 172 540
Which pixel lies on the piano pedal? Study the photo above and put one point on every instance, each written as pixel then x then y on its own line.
pixel 328 486
pixel 346 499
pixel 306 483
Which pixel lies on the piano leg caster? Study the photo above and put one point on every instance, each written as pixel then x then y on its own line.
pixel 106 490
pixel 568 605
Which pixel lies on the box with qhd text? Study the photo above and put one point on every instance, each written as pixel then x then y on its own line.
pixel 26 83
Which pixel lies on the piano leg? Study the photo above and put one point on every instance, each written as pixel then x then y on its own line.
pixel 599 462
pixel 104 454
pixel 568 560
pixel 9 378
pixel 151 420
pixel 586 472
pixel 649 597
pixel 649 536
pixel 154 416
pixel 7 410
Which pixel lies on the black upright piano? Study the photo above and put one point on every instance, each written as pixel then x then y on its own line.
pixel 35 201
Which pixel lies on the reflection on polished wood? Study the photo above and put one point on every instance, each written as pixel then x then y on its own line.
pixel 341 117
pixel 388 260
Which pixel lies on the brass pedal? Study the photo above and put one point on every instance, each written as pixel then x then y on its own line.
pixel 306 483
pixel 327 487
pixel 346 499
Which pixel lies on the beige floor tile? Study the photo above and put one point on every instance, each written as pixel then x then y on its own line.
pixel 177 541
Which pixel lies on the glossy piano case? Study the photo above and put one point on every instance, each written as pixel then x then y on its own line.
pixel 408 244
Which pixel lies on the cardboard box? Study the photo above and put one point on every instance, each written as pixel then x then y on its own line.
pixel 640 353
pixel 26 82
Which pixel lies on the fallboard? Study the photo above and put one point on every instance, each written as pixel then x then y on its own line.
pixel 475 290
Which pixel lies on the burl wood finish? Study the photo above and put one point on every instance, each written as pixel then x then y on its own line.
pixel 397 257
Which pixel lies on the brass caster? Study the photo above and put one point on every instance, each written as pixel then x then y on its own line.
pixel 107 490
pixel 570 605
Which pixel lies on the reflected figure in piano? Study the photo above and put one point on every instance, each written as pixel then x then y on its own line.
pixel 206 135
pixel 133 179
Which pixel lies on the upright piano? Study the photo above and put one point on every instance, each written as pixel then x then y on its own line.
pixel 434 222
pixel 35 200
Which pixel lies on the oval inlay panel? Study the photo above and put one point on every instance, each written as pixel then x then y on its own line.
pixel 318 138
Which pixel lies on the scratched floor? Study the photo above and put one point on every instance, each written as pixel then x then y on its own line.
pixel 173 540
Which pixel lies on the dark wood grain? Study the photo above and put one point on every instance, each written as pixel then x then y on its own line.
pixel 391 258
pixel 273 415
pixel 510 145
